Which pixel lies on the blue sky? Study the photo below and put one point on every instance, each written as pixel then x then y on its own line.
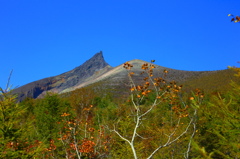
pixel 43 38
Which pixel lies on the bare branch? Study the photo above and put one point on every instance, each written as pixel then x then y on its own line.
pixel 186 155
pixel 171 142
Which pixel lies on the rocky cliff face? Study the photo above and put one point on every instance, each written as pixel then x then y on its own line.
pixel 83 72
pixel 66 80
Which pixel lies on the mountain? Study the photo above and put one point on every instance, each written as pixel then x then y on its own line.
pixel 97 70
pixel 93 67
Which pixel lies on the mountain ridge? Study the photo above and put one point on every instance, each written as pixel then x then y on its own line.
pixel 96 69
pixel 63 81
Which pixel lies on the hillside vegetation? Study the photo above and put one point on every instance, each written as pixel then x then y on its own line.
pixel 219 81
pixel 148 118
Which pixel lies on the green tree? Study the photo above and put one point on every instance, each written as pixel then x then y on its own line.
pixel 48 123
pixel 219 134
pixel 15 141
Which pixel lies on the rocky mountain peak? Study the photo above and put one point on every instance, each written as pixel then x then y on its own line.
pixel 84 71
pixel 98 57
pixel 64 81
pixel 93 64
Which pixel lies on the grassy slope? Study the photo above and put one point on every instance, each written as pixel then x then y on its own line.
pixel 215 82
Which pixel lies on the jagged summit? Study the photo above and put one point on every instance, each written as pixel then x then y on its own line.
pixel 96 61
pixel 66 80
pixel 82 72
